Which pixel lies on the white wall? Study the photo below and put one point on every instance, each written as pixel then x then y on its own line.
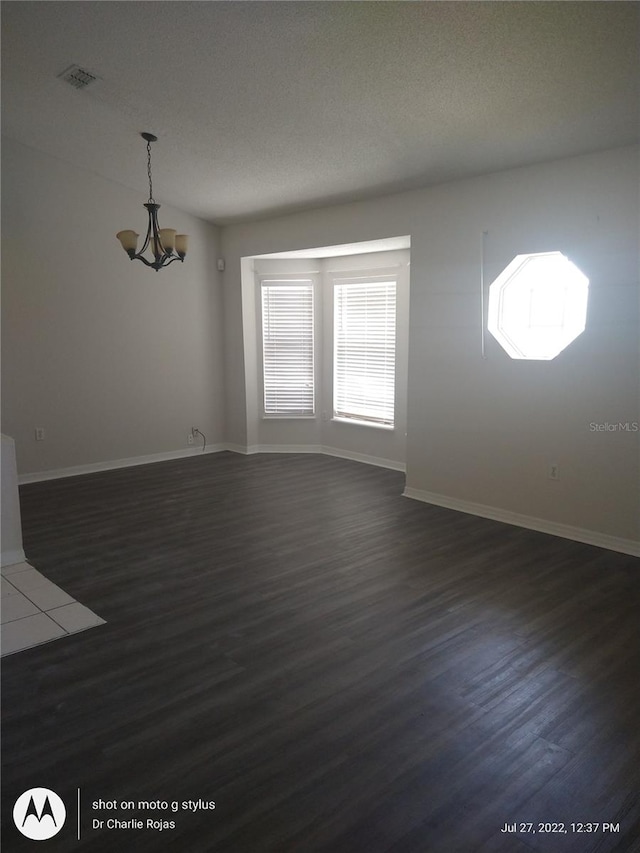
pixel 113 359
pixel 481 433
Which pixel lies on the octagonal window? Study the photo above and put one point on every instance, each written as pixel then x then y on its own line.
pixel 538 305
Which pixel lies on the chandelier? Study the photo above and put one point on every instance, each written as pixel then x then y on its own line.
pixel 163 244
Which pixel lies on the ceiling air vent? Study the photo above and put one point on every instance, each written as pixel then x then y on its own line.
pixel 77 77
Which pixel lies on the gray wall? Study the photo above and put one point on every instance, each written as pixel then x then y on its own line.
pixel 113 359
pixel 485 431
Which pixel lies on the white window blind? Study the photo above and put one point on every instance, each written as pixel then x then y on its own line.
pixel 287 347
pixel 364 351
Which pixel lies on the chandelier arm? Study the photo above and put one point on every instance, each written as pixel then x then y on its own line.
pixel 153 224
pixel 147 236
pixel 144 245
pixel 139 257
pixel 171 259
pixel 152 228
pixel 164 261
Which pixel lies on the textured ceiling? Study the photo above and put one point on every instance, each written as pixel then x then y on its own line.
pixel 264 107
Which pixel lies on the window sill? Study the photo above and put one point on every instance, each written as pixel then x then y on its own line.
pixel 355 422
pixel 288 417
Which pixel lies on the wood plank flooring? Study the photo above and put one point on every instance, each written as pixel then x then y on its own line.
pixel 339 668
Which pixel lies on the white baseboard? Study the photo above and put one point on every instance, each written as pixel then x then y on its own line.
pixel 318 448
pixel 364 457
pixel 95 467
pixel 238 448
pixel 565 531
pixel 10 558
pixel 284 448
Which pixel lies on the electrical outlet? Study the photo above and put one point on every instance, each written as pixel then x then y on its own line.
pixel 554 471
pixel 190 438
pixel 39 433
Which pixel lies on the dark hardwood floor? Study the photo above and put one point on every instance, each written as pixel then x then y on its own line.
pixel 339 668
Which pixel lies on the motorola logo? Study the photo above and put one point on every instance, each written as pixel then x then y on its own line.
pixel 39 814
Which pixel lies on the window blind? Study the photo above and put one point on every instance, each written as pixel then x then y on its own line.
pixel 364 351
pixel 287 347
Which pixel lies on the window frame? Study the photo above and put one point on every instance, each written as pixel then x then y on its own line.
pixel 284 279
pixel 377 277
pixel 546 340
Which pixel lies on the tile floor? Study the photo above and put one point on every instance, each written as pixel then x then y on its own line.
pixel 35 610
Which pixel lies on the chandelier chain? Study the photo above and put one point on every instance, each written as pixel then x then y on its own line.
pixel 151 198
